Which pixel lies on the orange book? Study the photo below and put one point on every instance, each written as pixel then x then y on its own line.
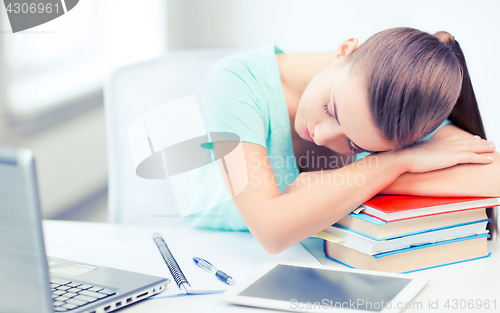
pixel 390 208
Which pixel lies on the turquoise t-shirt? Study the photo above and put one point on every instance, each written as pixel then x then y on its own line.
pixel 243 95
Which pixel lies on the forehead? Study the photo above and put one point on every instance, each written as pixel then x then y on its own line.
pixel 354 114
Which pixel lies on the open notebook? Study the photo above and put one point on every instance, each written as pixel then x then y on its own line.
pixel 131 247
pixel 236 253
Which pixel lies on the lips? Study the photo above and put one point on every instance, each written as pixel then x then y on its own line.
pixel 306 130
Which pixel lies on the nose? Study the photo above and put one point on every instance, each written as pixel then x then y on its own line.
pixel 325 132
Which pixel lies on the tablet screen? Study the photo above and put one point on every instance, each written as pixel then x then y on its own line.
pixel 330 288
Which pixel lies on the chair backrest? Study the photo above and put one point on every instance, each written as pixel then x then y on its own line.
pixel 129 92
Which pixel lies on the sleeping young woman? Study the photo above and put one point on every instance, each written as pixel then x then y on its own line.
pixel 403 96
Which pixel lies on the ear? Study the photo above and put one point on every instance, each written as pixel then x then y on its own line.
pixel 345 48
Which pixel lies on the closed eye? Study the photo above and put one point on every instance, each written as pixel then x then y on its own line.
pixel 326 109
pixel 353 149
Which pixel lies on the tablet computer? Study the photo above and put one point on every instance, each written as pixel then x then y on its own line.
pixel 304 288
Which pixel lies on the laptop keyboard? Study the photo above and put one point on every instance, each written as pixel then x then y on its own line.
pixel 68 295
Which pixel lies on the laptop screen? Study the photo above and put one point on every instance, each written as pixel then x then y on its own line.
pixel 23 264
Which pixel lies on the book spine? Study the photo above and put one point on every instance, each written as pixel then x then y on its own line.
pixel 412 233
pixel 387 218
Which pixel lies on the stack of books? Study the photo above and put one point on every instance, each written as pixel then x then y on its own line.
pixel 409 233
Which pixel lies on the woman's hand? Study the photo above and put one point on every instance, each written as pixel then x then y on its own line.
pixel 439 153
pixel 424 156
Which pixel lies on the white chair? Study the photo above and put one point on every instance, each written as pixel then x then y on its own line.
pixel 129 92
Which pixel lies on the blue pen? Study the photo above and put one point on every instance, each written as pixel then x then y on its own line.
pixel 204 264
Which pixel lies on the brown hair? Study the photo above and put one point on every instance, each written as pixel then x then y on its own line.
pixel 465 114
pixel 414 81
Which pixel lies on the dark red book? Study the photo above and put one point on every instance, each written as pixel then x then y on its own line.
pixel 390 208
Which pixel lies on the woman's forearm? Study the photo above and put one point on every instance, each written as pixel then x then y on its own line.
pixel 279 221
pixel 457 181
pixel 287 219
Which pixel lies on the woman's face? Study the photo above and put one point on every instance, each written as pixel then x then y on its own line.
pixel 334 112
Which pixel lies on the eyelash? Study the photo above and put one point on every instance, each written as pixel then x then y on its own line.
pixel 353 149
pixel 326 109
pixel 348 141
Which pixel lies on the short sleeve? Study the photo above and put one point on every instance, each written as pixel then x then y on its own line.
pixel 446 122
pixel 231 102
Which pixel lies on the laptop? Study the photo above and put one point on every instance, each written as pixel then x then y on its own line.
pixel 32 282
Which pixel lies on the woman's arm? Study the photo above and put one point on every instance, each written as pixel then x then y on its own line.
pixel 280 221
pixel 457 181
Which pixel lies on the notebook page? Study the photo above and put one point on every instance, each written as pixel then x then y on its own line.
pixel 236 253
pixel 131 247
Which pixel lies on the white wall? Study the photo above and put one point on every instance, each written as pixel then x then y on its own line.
pixel 71 160
pixel 58 67
pixel 320 25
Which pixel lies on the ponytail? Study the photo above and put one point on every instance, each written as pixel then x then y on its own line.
pixel 465 113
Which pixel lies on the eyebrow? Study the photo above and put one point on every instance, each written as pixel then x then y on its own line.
pixel 352 142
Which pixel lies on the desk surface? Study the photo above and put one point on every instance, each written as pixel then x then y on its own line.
pixel 104 244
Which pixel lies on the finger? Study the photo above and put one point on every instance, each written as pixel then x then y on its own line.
pixel 474 145
pixel 470 157
pixel 491 143
pixel 487 145
pixel 459 136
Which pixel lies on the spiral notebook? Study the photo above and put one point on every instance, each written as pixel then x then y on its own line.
pixel 179 278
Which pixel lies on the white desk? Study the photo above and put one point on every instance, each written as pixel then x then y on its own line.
pixel 109 245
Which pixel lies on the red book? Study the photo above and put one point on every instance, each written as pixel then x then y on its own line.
pixel 389 208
